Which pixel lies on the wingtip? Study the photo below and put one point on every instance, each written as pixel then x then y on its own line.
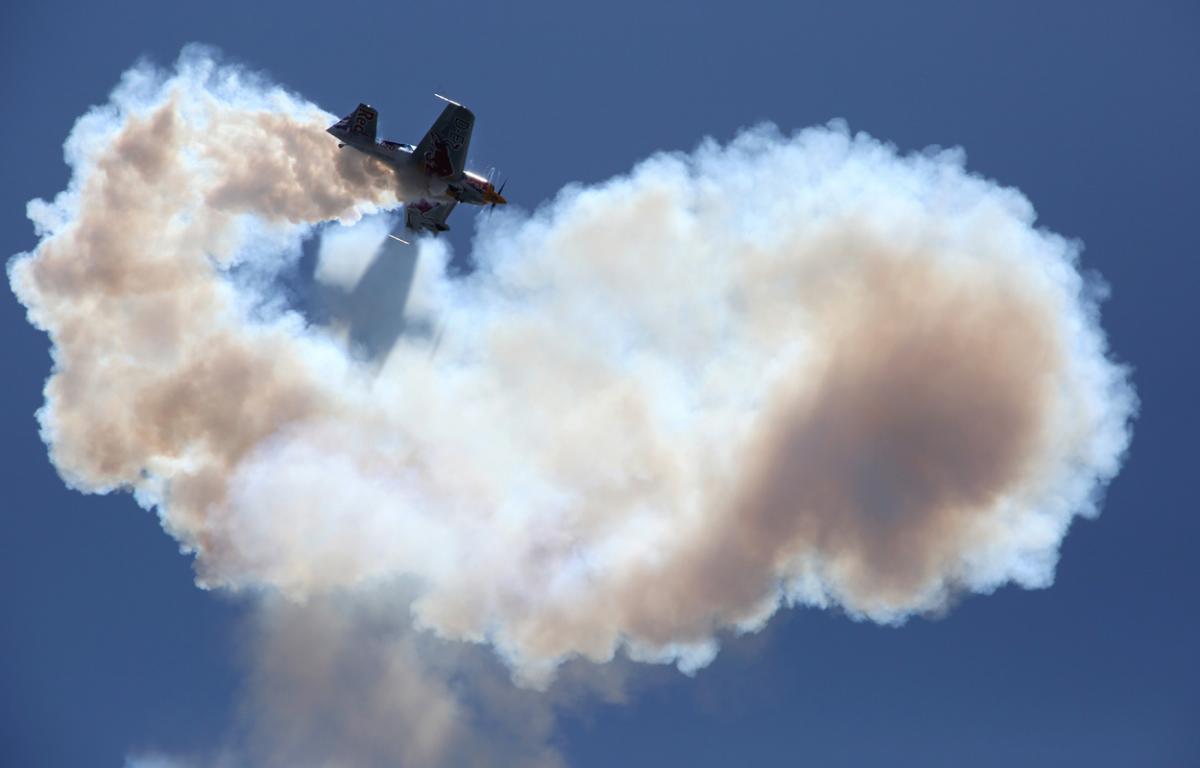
pixel 449 101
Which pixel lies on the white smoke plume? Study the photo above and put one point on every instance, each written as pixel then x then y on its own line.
pixel 347 251
pixel 350 682
pixel 793 369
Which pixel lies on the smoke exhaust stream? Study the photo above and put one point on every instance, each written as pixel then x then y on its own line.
pixel 794 369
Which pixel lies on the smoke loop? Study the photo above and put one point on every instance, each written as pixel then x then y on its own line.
pixel 794 369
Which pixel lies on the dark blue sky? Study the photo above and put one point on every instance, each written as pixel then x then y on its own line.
pixel 1090 108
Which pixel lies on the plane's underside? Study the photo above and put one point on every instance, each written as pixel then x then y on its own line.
pixel 435 168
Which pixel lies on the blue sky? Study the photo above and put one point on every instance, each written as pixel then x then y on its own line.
pixel 1089 108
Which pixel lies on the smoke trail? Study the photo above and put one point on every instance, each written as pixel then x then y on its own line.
pixel 789 370
pixel 335 678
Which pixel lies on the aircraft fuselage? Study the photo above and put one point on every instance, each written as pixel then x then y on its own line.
pixel 432 175
pixel 416 176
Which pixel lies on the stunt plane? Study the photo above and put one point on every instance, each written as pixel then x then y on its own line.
pixel 436 167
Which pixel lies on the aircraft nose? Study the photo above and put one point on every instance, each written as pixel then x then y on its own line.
pixel 497 195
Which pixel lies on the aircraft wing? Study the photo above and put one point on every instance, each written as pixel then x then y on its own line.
pixel 423 214
pixel 444 148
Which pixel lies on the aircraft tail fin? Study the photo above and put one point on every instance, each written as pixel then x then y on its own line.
pixel 360 123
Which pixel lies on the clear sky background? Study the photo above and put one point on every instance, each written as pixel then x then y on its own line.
pixel 1090 108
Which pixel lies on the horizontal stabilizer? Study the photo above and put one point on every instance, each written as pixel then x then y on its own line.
pixel 359 124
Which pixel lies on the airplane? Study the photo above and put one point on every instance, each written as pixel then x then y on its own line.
pixel 436 167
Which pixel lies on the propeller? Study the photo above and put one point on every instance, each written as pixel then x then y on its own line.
pixel 499 192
